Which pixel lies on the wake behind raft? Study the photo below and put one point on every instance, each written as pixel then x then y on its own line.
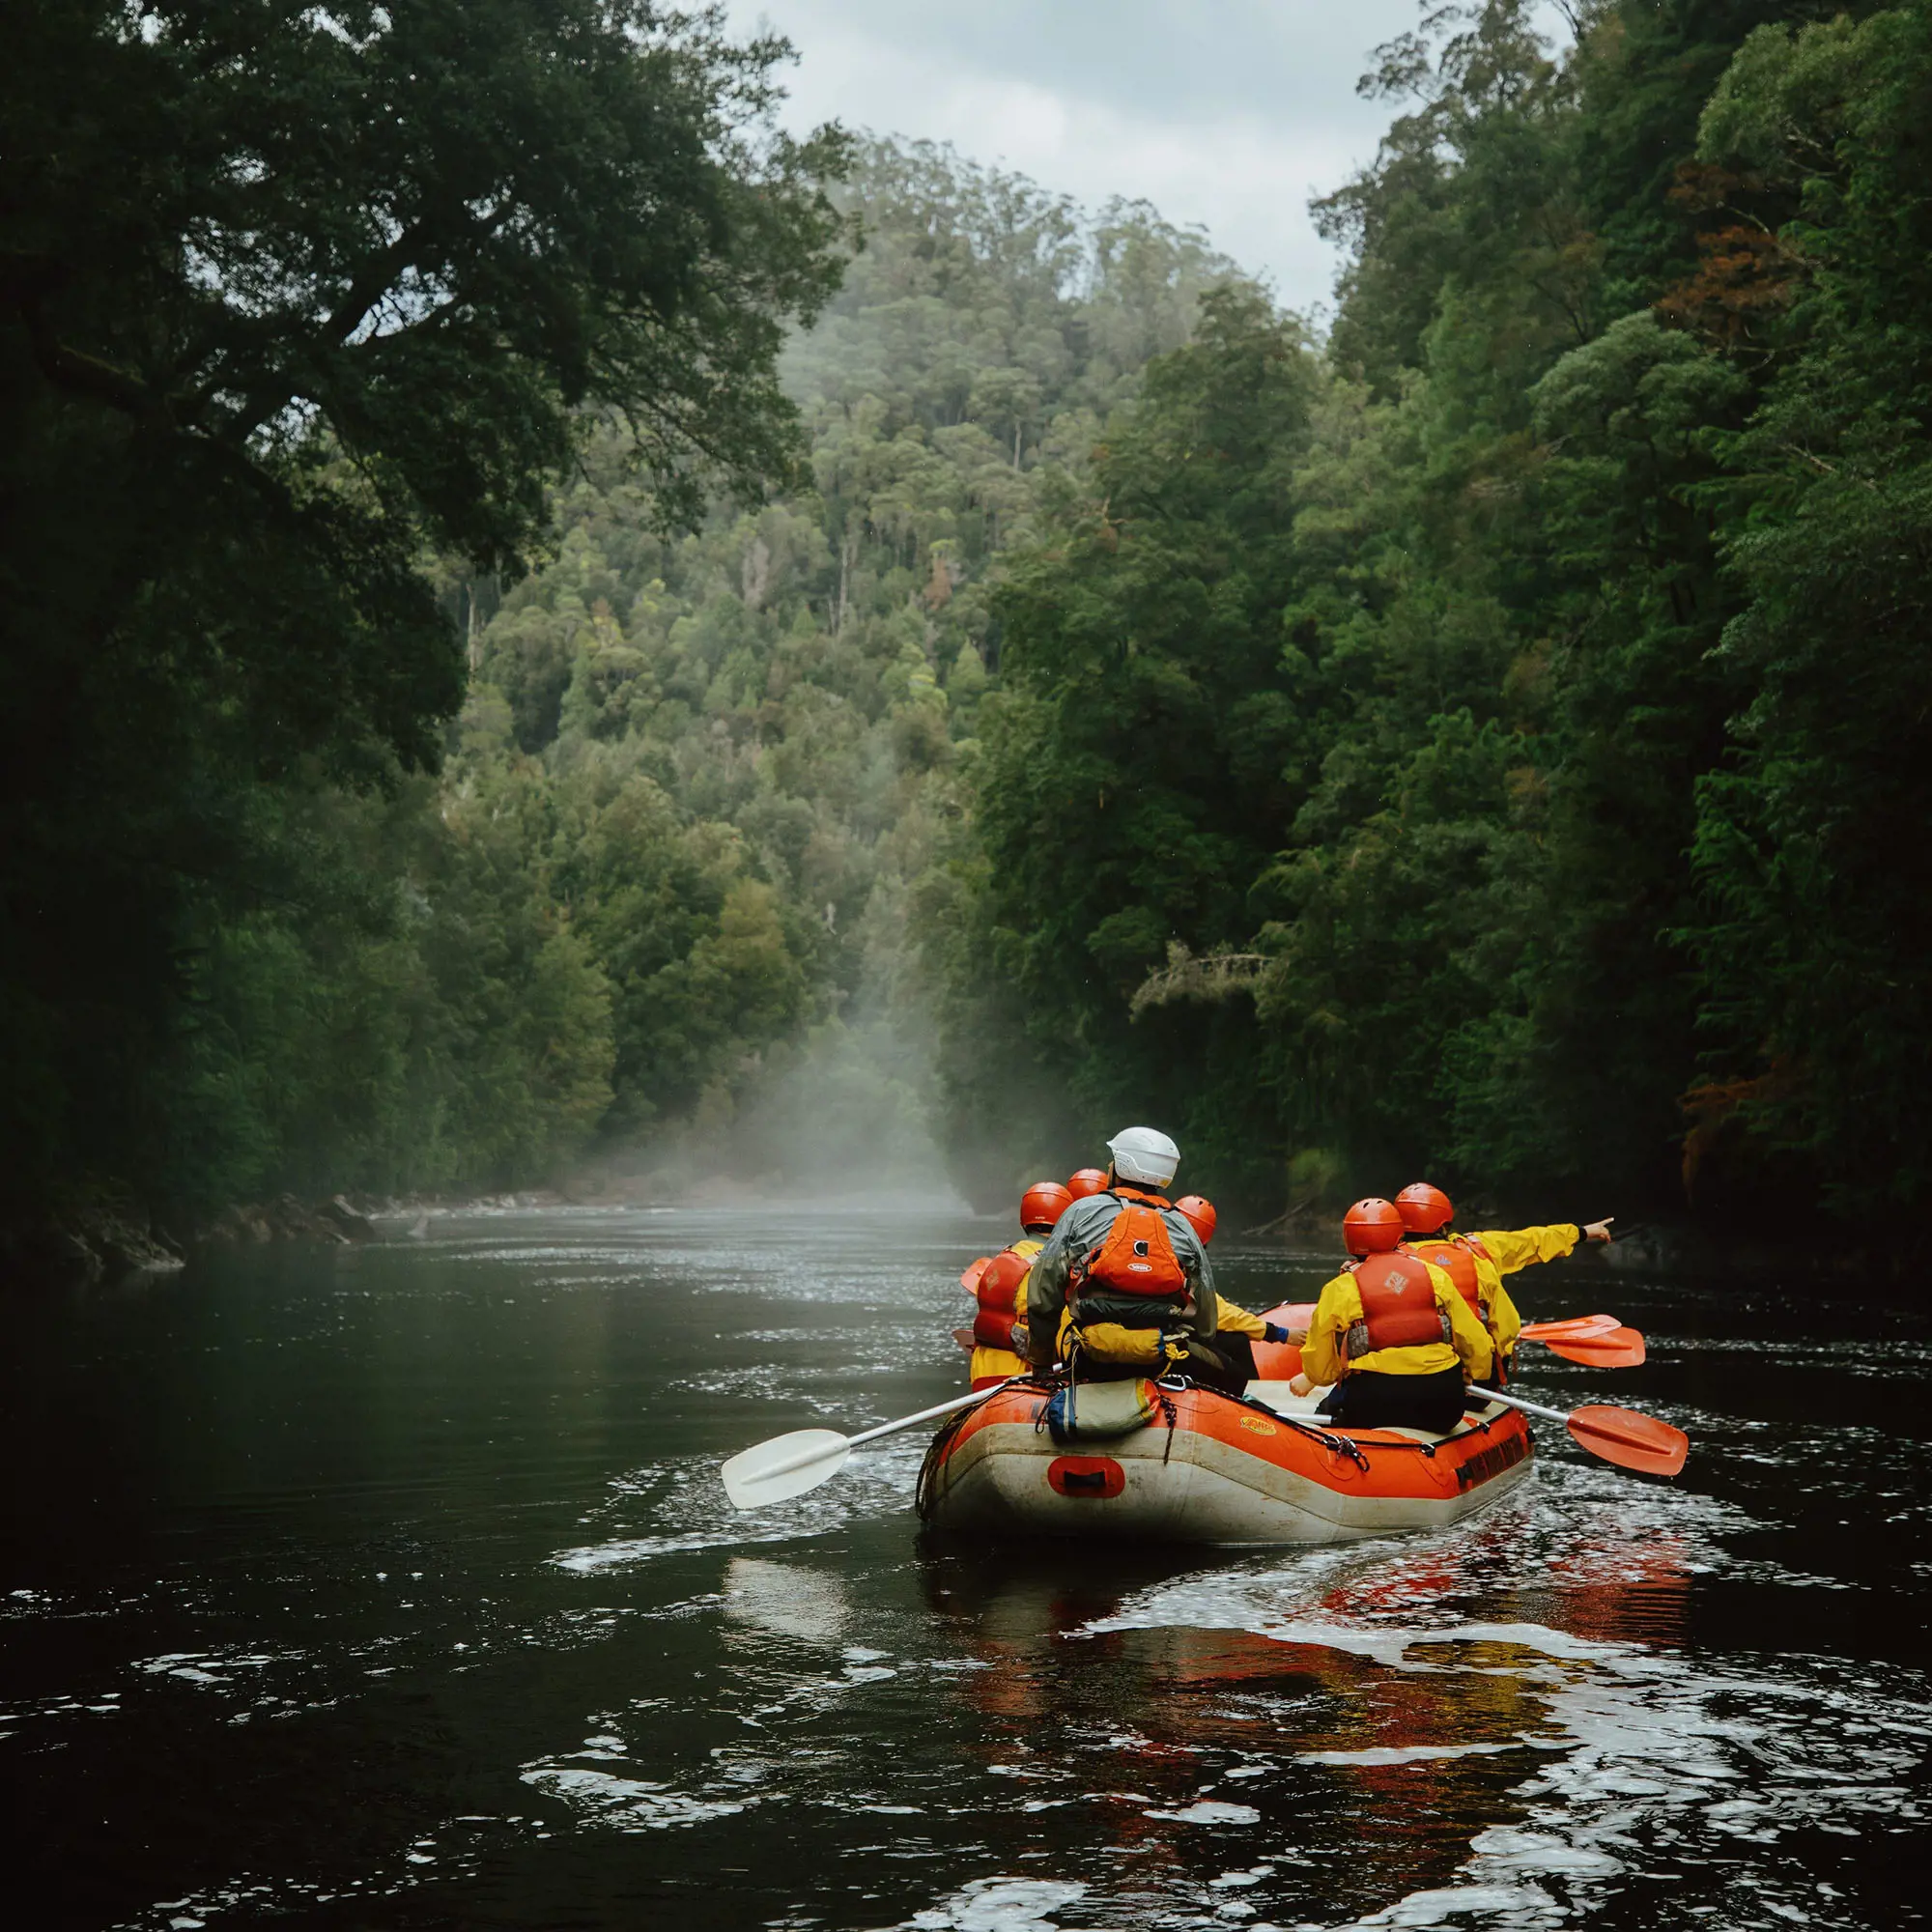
pixel 1150 1461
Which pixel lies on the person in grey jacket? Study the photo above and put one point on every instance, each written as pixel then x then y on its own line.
pixel 1122 1335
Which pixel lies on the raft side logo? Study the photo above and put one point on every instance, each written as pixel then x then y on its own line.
pixel 1491 1462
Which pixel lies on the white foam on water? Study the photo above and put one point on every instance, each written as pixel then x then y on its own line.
pixel 1400 1753
pixel 1504 1908
pixel 1210 1812
pixel 997 1905
pixel 629 1804
pixel 1646 1758
pixel 693 1513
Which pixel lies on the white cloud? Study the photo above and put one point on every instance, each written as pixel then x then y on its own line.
pixel 1228 114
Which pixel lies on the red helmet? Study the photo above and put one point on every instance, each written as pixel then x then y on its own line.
pixel 1042 1205
pixel 1089 1180
pixel 1425 1210
pixel 1201 1215
pixel 1373 1227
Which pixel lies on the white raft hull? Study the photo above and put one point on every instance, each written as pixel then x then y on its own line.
pixel 1225 1474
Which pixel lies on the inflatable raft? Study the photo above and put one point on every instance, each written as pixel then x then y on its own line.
pixel 1144 1462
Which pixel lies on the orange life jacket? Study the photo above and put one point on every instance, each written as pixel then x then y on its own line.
pixel 998 1293
pixel 1136 1254
pixel 999 1285
pixel 1399 1308
pixel 1456 1257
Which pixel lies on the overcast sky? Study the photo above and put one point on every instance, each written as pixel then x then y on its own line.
pixel 1228 113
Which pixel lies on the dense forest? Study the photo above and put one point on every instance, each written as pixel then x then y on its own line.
pixel 1492 741
pixel 578 637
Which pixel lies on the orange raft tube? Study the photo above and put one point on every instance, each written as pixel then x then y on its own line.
pixel 1207 1467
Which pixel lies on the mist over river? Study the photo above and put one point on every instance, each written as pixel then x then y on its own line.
pixel 394 1587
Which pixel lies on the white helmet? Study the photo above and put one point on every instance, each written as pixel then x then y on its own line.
pixel 1144 1155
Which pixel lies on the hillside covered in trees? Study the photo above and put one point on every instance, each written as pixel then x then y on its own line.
pixel 890 655
pixel 1494 743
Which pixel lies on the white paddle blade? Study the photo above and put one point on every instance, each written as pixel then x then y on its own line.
pixel 786 1466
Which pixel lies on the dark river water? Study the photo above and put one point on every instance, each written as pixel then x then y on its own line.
pixel 394 1588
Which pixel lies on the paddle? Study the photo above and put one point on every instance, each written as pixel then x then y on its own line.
pixel 1619 1435
pixel 1598 1340
pixel 788 1465
pixel 1575 1325
pixel 1614 1348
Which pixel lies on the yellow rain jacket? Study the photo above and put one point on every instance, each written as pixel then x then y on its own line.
pixel 1144 1348
pixel 1494 1309
pixel 1000 1363
pixel 1508 1250
pixel 1233 1321
pixel 1338 1308
pixel 1513 1250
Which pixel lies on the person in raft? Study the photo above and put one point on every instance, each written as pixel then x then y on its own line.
pixel 1001 1290
pixel 1477 1263
pixel 1123 1287
pixel 1236 1329
pixel 1391 1334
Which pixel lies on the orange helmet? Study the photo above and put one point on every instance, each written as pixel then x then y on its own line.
pixel 1201 1215
pixel 1089 1180
pixel 1042 1205
pixel 1425 1210
pixel 1373 1227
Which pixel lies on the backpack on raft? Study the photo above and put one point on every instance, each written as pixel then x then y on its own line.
pixel 1101 1412
pixel 1134 1256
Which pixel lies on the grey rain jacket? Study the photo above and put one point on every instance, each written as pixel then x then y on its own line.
pixel 1079 1232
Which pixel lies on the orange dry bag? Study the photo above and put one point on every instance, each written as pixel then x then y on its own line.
pixel 1136 1256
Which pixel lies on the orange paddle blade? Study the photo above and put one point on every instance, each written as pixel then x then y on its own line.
pixel 1614 1348
pixel 964 1337
pixel 969 1280
pixel 1631 1441
pixel 1578 1324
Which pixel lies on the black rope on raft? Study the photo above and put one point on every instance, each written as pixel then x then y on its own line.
pixel 1170 1414
pixel 1347 1445
pixel 1335 1444
pixel 923 1500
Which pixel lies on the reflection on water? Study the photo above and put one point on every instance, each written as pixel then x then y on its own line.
pixel 402 1593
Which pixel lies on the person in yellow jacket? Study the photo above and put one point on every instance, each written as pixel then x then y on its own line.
pixel 999 1286
pixel 1392 1334
pixel 1477 1263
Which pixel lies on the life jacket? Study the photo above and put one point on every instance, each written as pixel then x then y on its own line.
pixel 1136 1254
pixel 1456 1255
pixel 1133 1275
pixel 998 1293
pixel 1113 1282
pixel 1399 1308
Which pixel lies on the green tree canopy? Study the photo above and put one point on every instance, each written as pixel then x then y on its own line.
pixel 292 295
